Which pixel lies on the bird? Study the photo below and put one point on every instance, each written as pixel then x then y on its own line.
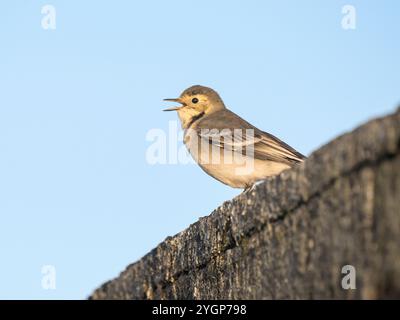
pixel 227 147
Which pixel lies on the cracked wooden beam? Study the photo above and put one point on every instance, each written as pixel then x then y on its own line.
pixel 290 237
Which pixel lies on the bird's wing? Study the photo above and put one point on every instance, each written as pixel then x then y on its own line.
pixel 272 146
pixel 227 130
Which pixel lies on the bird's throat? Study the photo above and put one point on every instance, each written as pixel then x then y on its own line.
pixel 187 122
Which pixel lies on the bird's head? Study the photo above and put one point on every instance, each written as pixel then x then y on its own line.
pixel 196 101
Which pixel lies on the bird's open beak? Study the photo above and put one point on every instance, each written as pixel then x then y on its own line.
pixel 174 108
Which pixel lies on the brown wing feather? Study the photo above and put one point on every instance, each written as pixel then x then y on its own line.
pixel 266 146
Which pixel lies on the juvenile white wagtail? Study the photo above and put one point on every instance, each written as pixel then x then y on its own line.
pixel 227 147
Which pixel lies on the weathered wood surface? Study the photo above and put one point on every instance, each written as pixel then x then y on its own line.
pixel 290 237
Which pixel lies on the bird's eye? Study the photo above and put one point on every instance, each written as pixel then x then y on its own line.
pixel 195 100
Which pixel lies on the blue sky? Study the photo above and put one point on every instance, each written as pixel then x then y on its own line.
pixel 76 103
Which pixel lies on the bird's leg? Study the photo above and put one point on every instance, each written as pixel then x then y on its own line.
pixel 249 188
